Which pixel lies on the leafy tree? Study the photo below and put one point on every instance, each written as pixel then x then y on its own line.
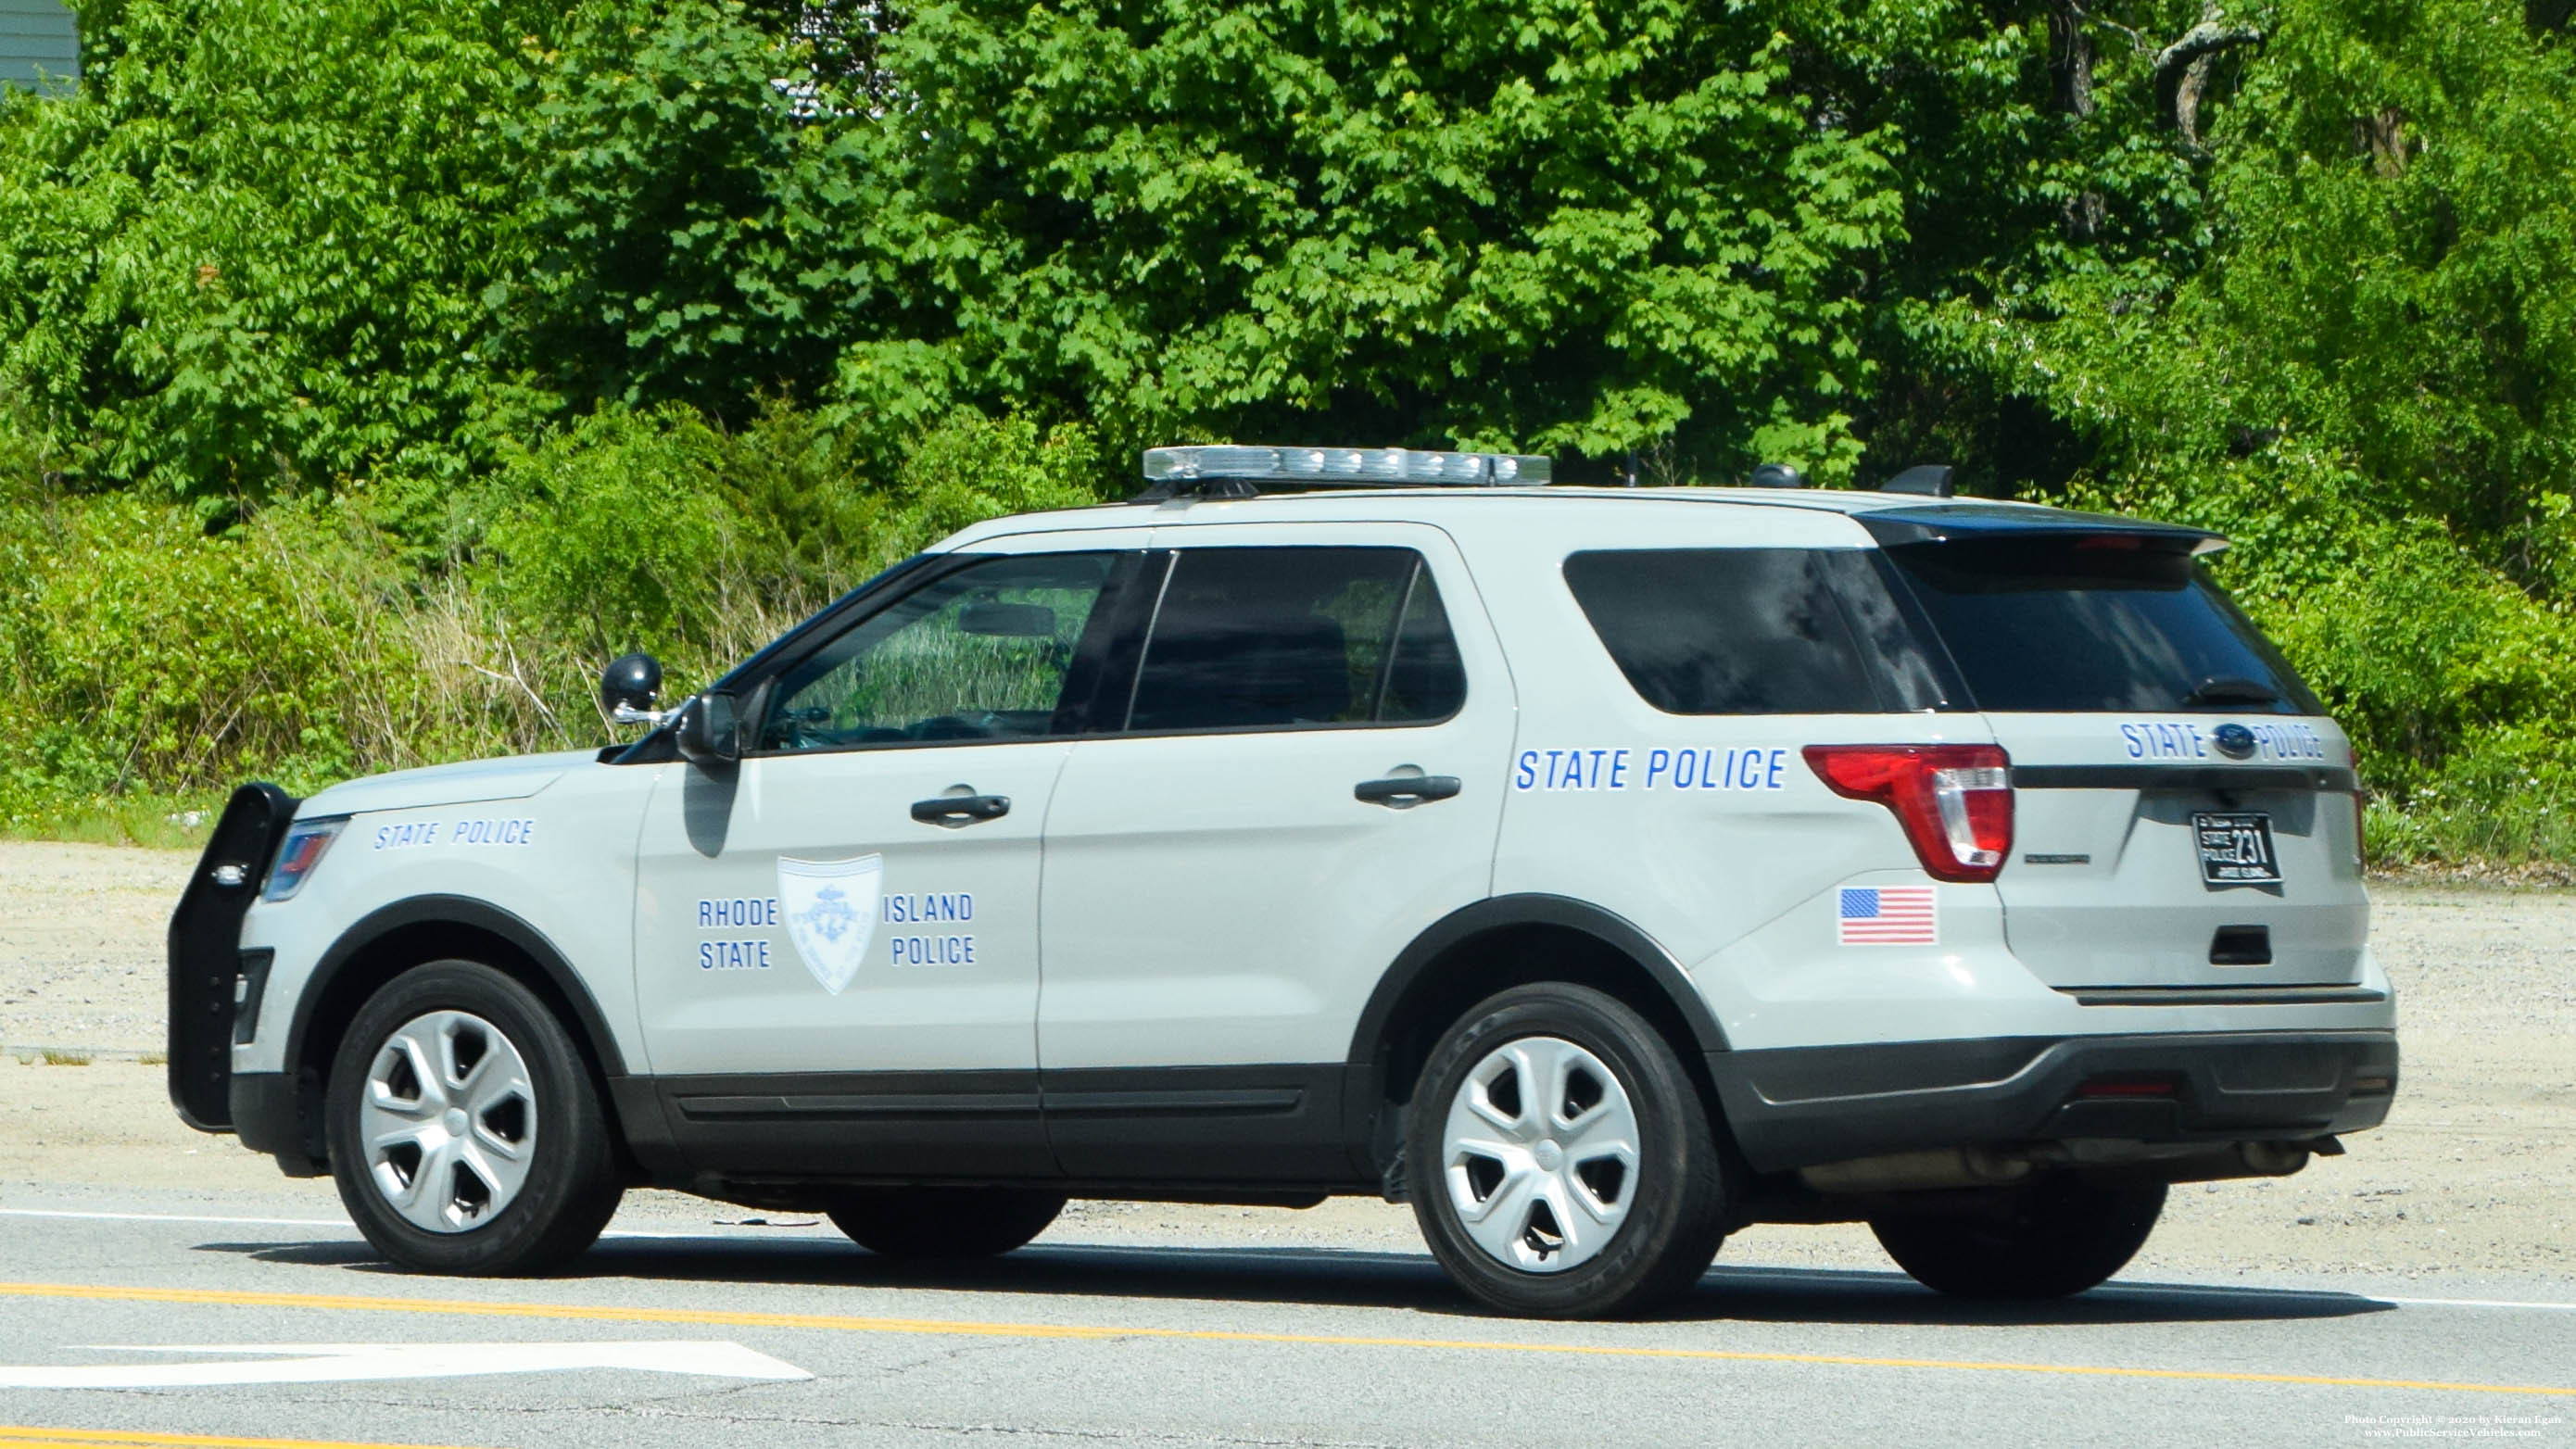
pixel 1555 226
pixel 699 228
pixel 250 258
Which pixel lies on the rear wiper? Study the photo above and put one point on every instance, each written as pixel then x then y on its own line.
pixel 2231 689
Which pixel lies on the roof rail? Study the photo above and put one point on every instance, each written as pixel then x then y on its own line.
pixel 1229 470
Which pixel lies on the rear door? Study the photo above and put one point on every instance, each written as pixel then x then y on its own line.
pixel 2185 821
pixel 1307 779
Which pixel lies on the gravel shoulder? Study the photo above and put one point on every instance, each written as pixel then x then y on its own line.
pixel 2470 1179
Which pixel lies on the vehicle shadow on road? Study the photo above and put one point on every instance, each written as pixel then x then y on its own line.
pixel 1334 1277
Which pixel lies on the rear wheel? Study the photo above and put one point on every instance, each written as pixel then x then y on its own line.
pixel 2053 1238
pixel 1564 1164
pixel 466 1135
pixel 944 1222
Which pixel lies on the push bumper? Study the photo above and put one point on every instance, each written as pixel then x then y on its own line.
pixel 1800 1107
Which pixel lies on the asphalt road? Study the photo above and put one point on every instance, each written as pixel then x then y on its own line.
pixel 225 1321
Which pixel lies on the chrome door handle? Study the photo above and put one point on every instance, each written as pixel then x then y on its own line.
pixel 1403 792
pixel 958 811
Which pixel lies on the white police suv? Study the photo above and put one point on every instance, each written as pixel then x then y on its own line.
pixel 1600 870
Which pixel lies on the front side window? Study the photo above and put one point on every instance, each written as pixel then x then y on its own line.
pixel 980 654
pixel 1285 638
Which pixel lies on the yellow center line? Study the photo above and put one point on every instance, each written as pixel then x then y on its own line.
pixel 842 1323
pixel 22 1436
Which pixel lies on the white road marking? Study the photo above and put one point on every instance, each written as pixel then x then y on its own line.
pixel 175 1218
pixel 320 1363
pixel 343 1224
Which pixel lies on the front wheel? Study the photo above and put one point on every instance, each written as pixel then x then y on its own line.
pixel 2049 1240
pixel 1563 1162
pixel 465 1133
pixel 944 1222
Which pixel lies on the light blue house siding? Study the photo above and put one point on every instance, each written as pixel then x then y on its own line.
pixel 39 45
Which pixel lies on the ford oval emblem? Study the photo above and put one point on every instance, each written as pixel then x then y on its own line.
pixel 2234 741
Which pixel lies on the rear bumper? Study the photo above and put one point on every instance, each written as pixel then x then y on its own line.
pixel 1798 1107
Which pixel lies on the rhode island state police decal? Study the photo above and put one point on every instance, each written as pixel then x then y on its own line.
pixel 831 911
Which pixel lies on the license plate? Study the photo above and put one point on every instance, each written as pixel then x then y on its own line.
pixel 2236 848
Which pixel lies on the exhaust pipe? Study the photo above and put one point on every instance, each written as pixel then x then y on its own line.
pixel 1917 1171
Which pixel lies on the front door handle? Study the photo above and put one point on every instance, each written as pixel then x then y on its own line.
pixel 1403 792
pixel 958 811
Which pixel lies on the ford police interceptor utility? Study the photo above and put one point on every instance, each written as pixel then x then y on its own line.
pixel 1599 870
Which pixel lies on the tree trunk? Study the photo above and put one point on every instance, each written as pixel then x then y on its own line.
pixel 2182 69
pixel 2070 67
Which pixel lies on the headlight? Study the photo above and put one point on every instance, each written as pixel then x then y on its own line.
pixel 305 842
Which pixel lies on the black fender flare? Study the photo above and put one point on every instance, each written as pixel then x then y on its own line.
pixel 444 910
pixel 1532 909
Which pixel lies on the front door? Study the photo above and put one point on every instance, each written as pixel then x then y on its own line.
pixel 837 940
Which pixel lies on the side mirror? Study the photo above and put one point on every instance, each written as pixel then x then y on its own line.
pixel 710 732
pixel 628 687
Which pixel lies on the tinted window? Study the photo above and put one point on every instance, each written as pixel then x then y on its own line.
pixel 1754 630
pixel 1268 638
pixel 2095 622
pixel 980 654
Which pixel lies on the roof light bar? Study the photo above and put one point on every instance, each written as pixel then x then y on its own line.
pixel 1340 466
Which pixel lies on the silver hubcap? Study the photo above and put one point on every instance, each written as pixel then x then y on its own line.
pixel 1540 1154
pixel 449 1120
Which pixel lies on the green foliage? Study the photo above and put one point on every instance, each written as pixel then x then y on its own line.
pixel 250 259
pixel 658 530
pixel 623 532
pixel 370 372
pixel 1557 226
pixel 697 236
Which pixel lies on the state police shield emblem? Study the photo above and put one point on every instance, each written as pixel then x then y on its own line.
pixel 831 911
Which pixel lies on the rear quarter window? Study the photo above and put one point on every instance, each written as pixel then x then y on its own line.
pixel 1717 631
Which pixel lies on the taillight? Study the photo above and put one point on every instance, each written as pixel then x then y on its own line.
pixel 1955 801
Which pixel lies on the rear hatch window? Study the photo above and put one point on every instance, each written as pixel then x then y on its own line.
pixel 2095 622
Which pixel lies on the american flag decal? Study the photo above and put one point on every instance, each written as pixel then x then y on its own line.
pixel 1888 916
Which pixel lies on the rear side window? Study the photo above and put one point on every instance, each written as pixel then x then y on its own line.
pixel 1283 638
pixel 1754 630
pixel 2089 622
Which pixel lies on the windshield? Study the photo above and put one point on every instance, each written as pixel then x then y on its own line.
pixel 2095 622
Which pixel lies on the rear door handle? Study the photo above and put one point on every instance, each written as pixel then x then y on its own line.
pixel 958 811
pixel 1403 792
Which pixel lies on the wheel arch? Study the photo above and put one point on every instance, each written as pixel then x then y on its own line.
pixel 396 937
pixel 1493 945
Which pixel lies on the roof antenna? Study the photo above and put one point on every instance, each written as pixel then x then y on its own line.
pixel 1933 480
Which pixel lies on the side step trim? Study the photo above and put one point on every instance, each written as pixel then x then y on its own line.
pixel 2324 995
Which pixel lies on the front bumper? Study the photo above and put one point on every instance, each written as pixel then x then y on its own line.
pixel 1803 1106
pixel 280 1114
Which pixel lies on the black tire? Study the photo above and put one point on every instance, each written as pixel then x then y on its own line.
pixel 1673 1206
pixel 916 1223
pixel 571 1185
pixel 2055 1238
